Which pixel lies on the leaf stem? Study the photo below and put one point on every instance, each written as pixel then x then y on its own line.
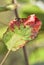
pixel 5 57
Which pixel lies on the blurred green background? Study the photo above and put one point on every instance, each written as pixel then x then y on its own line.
pixel 35 48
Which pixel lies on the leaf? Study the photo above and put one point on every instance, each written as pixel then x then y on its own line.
pixel 11 40
pixel 3 29
pixel 3 48
pixel 17 35
pixel 16 39
pixel 28 9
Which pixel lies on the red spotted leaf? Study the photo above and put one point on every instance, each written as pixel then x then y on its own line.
pixel 21 31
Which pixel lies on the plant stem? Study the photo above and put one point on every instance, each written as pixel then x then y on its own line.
pixel 24 49
pixel 25 55
pixel 15 10
pixel 5 58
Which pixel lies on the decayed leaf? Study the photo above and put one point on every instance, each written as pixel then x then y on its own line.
pixel 20 32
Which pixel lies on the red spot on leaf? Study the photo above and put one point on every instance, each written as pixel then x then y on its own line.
pixel 31 21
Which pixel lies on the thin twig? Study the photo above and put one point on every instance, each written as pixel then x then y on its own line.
pixel 5 57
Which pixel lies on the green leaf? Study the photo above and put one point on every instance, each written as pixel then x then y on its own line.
pixel 29 9
pixel 3 29
pixel 3 48
pixel 24 32
pixel 23 1
pixel 13 40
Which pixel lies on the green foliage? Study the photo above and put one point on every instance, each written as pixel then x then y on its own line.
pixel 3 48
pixel 16 38
pixel 24 32
pixel 37 56
pixel 12 42
pixel 28 9
pixel 3 28
pixel 3 9
pixel 9 34
pixel 23 1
